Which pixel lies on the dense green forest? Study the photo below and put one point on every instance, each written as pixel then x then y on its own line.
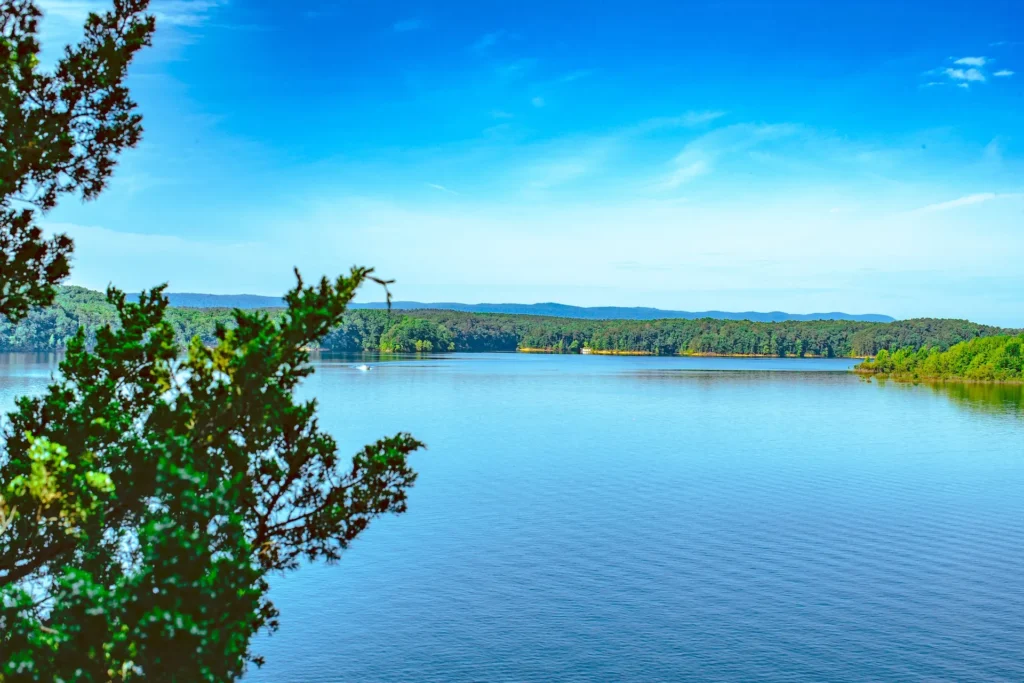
pixel 441 330
pixel 989 359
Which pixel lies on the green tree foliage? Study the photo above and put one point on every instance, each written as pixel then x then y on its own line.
pixel 59 133
pixel 415 335
pixel 988 359
pixel 152 488
pixel 148 493
pixel 919 333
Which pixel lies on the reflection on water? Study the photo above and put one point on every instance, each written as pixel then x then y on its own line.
pixel 991 398
pixel 332 357
pixel 1001 399
pixel 20 363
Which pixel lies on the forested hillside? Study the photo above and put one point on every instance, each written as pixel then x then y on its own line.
pixel 553 310
pixel 443 330
pixel 189 300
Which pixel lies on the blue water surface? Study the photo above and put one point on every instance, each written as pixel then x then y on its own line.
pixel 583 518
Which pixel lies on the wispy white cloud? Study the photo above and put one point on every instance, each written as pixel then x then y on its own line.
pixel 515 70
pixel 971 61
pixel 557 171
pixel 407 25
pixel 696 118
pixel 498 130
pixel 557 163
pixel 70 10
pixel 690 119
pixel 167 12
pixel 965 74
pixel 185 12
pixel 442 188
pixel 684 174
pixel 699 156
pixel 576 75
pixel 993 152
pixel 488 40
pixel 572 159
pixel 962 201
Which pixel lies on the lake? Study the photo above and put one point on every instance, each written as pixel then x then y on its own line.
pixel 584 518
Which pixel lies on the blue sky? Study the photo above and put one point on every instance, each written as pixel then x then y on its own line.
pixel 802 156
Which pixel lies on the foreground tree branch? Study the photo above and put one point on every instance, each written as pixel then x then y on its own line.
pixel 146 495
pixel 116 455
pixel 60 133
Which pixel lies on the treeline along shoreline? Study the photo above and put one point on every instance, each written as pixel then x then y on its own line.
pixel 435 331
pixel 983 359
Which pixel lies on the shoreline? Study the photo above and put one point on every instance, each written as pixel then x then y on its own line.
pixel 685 354
pixel 917 379
pixel 902 378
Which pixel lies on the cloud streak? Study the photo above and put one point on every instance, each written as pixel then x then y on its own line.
pixel 442 188
pixel 576 75
pixel 971 61
pixel 487 41
pixel 699 157
pixel 697 118
pixel 691 119
pixel 684 174
pixel 968 200
pixel 168 13
pixel 407 25
pixel 515 70
pixel 971 75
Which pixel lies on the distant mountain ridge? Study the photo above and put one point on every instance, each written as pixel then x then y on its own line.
pixel 190 300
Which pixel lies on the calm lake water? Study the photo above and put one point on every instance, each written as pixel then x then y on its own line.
pixel 662 519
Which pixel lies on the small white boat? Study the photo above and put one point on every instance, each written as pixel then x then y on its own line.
pixel 363 368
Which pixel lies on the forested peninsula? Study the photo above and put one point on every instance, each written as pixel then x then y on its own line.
pixel 984 359
pixel 48 329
